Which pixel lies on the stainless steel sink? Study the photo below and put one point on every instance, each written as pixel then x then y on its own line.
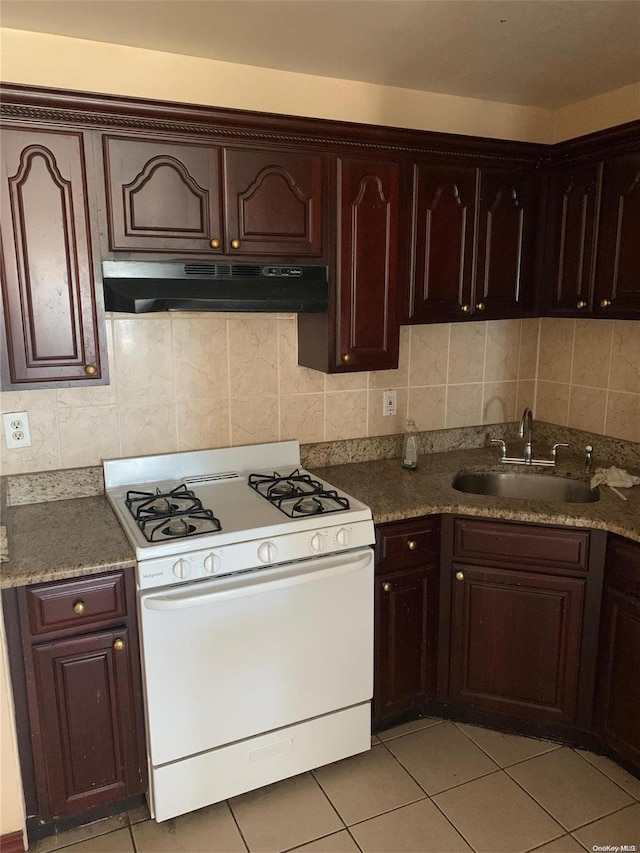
pixel 530 487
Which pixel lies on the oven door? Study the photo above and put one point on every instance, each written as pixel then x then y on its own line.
pixel 234 657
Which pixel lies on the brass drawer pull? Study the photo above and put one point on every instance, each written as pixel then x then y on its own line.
pixel 90 369
pixel 386 586
pixel 235 244
pixel 118 645
pixel 459 576
pixel 605 303
pixel 79 607
pixel 215 244
pixel 412 544
pixel 581 304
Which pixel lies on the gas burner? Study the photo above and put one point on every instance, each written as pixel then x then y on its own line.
pixel 297 494
pixel 175 514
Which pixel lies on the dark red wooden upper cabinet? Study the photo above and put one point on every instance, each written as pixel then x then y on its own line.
pixel 506 243
pixel 442 245
pixel 52 318
pixel 162 196
pixel 617 277
pixel 573 196
pixel 367 327
pixel 273 202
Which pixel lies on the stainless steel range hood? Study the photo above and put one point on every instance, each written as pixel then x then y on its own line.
pixel 139 287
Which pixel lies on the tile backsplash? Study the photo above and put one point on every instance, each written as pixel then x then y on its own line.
pixel 181 382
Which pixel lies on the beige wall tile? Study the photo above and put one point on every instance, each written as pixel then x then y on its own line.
pixel 526 396
pixel 253 355
pixel 623 416
pixel 528 362
pixel 552 402
pixel 27 401
pixel 143 361
pixel 294 379
pixel 464 405
pixel 625 356
pixel 346 415
pixel 302 417
pixel 503 351
pixel 556 348
pixel 200 358
pixel 44 453
pixel 88 435
pixel 427 406
pixel 254 419
pixel 379 424
pixel 429 357
pixel 466 352
pixel 398 378
pixel 499 403
pixel 346 381
pixel 592 353
pixel 587 408
pixel 203 423
pixel 148 428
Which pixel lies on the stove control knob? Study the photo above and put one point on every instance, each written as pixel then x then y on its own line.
pixel 343 536
pixel 181 569
pixel 267 552
pixel 211 563
pixel 317 542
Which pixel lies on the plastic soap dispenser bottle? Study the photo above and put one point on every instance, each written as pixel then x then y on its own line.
pixel 410 447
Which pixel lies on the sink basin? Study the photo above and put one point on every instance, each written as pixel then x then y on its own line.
pixel 530 487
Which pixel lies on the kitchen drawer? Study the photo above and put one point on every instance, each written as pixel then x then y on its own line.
pixel 623 565
pixel 553 547
pixel 76 603
pixel 402 544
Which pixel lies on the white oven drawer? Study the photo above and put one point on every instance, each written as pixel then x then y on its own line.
pixel 231 658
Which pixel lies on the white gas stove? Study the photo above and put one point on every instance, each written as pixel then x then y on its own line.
pixel 255 593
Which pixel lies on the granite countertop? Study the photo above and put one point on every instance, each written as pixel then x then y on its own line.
pixel 64 539
pixel 394 493
pixel 52 540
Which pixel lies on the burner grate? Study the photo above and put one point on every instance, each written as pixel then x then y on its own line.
pixel 175 514
pixel 297 494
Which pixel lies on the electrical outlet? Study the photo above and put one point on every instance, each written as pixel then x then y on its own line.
pixel 389 403
pixel 16 429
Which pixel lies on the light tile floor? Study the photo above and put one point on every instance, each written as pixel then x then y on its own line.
pixel 429 786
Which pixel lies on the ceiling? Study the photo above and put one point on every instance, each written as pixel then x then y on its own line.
pixel 544 53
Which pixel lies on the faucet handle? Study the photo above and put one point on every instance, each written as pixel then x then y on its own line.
pixel 503 448
pixel 554 450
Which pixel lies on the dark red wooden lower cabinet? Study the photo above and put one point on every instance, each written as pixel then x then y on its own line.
pixel 515 642
pixel 86 721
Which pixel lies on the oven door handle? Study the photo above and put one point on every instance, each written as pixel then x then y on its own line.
pixel 255 583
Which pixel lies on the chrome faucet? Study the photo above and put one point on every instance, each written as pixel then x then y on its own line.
pixel 527 421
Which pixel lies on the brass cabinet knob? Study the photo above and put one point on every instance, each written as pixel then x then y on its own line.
pixel 465 309
pixel 235 244
pixel 581 304
pixel 459 576
pixel 412 544
pixel 480 306
pixel 90 369
pixel 605 303
pixel 346 358
pixel 386 586
pixel 215 244
pixel 79 607
pixel 118 645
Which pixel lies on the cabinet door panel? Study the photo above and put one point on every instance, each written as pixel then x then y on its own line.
pixel 619 685
pixel 162 196
pixel 506 244
pixel 368 332
pixel 443 225
pixel 51 315
pixel 618 253
pixel 572 214
pixel 406 631
pixel 88 730
pixel 273 202
pixel 515 644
